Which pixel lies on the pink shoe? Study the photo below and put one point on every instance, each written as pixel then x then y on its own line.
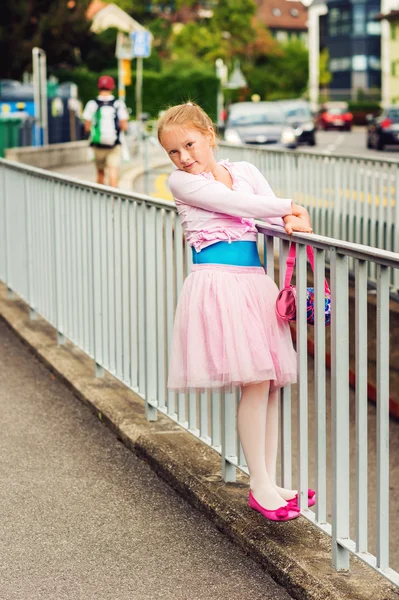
pixel 311 499
pixel 284 513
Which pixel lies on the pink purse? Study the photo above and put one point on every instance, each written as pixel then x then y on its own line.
pixel 286 300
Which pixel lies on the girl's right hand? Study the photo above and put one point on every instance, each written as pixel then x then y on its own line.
pixel 294 223
pixel 301 212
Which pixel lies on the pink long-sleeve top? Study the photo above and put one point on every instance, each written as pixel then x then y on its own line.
pixel 211 212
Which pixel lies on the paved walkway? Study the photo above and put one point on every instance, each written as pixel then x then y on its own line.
pixel 84 518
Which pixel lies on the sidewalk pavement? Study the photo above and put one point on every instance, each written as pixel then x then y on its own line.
pixel 296 554
pixel 83 518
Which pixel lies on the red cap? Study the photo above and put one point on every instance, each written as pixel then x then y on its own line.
pixel 106 82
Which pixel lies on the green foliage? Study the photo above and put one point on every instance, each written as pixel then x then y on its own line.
pixel 282 75
pixel 324 74
pixel 234 18
pixel 196 40
pixel 367 107
pixel 126 5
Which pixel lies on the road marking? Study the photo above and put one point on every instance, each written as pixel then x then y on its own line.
pixel 161 189
pixel 334 145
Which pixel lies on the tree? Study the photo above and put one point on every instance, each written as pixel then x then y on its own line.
pixel 233 19
pixel 324 74
pixel 58 27
pixel 281 74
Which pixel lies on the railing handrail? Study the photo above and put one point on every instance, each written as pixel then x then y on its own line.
pixel 302 152
pixel 360 251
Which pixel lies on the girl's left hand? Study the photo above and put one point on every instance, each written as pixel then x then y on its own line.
pixel 293 223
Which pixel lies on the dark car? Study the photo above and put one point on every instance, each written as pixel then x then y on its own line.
pixel 299 117
pixel 335 115
pixel 258 123
pixel 383 130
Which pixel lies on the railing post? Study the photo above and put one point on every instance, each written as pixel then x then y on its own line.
pixel 302 368
pixel 361 404
pixel 320 384
pixel 340 409
pixel 285 397
pixel 150 312
pixel 382 417
pixel 228 436
pixel 96 287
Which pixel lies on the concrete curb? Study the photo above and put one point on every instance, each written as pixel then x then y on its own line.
pixel 128 177
pixel 296 554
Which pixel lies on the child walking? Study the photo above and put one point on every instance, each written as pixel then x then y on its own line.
pixel 226 332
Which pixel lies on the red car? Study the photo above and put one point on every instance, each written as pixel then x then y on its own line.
pixel 335 115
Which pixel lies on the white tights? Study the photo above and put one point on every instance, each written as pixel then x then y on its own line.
pixel 258 431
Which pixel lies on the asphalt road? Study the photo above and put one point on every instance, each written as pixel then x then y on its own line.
pixel 347 143
pixel 82 518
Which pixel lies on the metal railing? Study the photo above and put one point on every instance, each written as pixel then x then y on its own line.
pixel 348 198
pixel 105 268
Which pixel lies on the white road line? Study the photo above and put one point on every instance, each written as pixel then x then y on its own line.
pixel 338 141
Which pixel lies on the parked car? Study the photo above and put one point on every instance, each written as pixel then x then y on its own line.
pixel 383 130
pixel 299 116
pixel 258 123
pixel 335 115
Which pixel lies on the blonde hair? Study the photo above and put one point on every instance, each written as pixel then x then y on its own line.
pixel 184 114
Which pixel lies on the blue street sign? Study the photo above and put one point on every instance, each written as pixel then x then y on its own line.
pixel 141 44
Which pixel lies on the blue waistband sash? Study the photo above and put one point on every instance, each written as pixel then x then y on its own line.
pixel 240 254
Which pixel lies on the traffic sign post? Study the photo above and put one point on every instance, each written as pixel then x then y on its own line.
pixel 141 44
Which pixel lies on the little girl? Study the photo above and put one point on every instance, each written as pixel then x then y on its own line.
pixel 226 332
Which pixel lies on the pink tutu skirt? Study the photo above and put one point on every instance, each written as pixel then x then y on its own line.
pixel 226 331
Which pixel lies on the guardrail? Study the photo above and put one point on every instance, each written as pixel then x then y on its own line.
pixel 349 198
pixel 105 267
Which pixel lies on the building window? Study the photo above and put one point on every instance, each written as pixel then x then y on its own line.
pixel 340 64
pixel 359 19
pixel 373 26
pixel 359 62
pixel 276 12
pixel 374 63
pixel 294 12
pixel 339 22
pixel 281 36
pixel 393 31
pixel 393 68
pixel 333 19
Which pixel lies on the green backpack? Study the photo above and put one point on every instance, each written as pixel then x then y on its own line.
pixel 105 129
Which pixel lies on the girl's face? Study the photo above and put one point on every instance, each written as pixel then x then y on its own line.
pixel 189 148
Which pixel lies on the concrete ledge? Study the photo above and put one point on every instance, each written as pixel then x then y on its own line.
pixel 129 177
pixel 296 554
pixel 52 155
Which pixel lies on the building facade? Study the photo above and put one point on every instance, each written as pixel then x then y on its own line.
pixel 390 57
pixel 286 19
pixel 353 38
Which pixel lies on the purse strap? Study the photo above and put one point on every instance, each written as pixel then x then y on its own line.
pixel 290 264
